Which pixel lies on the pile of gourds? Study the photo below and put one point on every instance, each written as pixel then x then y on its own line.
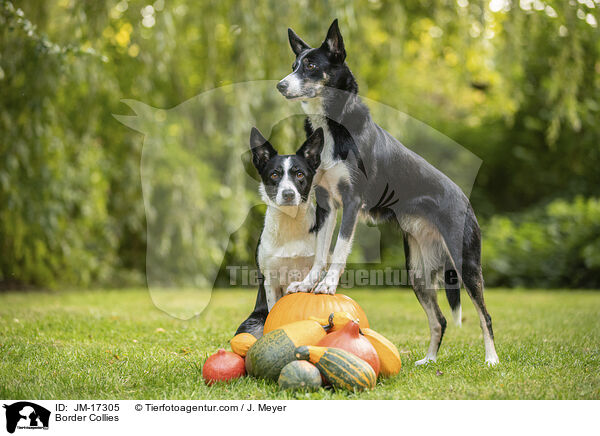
pixel 307 354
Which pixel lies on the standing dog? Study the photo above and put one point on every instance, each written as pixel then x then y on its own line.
pixel 368 172
pixel 286 247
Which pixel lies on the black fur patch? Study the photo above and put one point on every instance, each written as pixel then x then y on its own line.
pixel 382 211
pixel 323 209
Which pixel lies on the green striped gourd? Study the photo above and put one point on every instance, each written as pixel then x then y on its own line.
pixel 343 370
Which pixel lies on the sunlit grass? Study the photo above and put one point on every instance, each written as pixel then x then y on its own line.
pixel 117 344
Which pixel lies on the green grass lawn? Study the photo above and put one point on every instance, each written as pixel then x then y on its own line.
pixel 116 344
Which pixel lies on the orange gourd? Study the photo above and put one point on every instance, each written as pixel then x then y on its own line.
pixel 302 306
pixel 350 339
pixel 223 366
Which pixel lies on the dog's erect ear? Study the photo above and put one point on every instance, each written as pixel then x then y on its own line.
pixel 312 148
pixel 334 43
pixel 298 46
pixel 262 150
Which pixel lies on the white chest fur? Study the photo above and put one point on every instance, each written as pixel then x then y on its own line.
pixel 287 247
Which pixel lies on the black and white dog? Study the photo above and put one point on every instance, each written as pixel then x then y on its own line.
pixel 286 247
pixel 368 172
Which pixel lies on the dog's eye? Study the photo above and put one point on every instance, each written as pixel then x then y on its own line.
pixel 274 176
pixel 310 66
pixel 299 175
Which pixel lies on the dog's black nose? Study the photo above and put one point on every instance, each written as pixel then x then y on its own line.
pixel 282 86
pixel 287 194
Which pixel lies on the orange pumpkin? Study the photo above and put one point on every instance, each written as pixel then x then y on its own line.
pixel 301 306
pixel 350 339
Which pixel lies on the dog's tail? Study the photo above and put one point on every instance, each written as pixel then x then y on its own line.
pixel 453 296
pixel 452 285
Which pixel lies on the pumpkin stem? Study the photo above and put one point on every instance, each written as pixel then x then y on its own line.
pixel 331 316
pixel 327 325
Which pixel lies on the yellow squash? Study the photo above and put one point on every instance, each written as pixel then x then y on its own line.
pixel 336 321
pixel 389 358
pixel 240 344
pixel 307 332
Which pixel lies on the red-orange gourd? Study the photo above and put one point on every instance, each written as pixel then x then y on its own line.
pixel 350 339
pixel 223 366
pixel 302 306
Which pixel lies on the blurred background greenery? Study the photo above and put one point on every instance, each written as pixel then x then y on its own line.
pixel 517 83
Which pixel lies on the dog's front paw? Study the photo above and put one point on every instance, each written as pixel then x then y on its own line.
pixel 293 287
pixel 298 287
pixel 325 288
pixel 329 283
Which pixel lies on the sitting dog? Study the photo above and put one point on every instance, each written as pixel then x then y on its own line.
pixel 286 247
pixel 368 172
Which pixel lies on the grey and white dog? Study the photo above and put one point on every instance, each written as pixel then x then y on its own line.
pixel 369 173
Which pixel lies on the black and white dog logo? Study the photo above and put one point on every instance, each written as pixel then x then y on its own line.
pixel 26 415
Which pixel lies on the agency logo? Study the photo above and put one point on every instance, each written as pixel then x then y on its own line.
pixel 26 415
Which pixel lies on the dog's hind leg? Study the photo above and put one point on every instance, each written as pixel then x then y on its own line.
pixel 426 294
pixel 255 323
pixel 437 322
pixel 472 278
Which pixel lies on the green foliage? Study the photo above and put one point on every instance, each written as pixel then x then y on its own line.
pixel 53 189
pixel 546 143
pixel 518 87
pixel 558 245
